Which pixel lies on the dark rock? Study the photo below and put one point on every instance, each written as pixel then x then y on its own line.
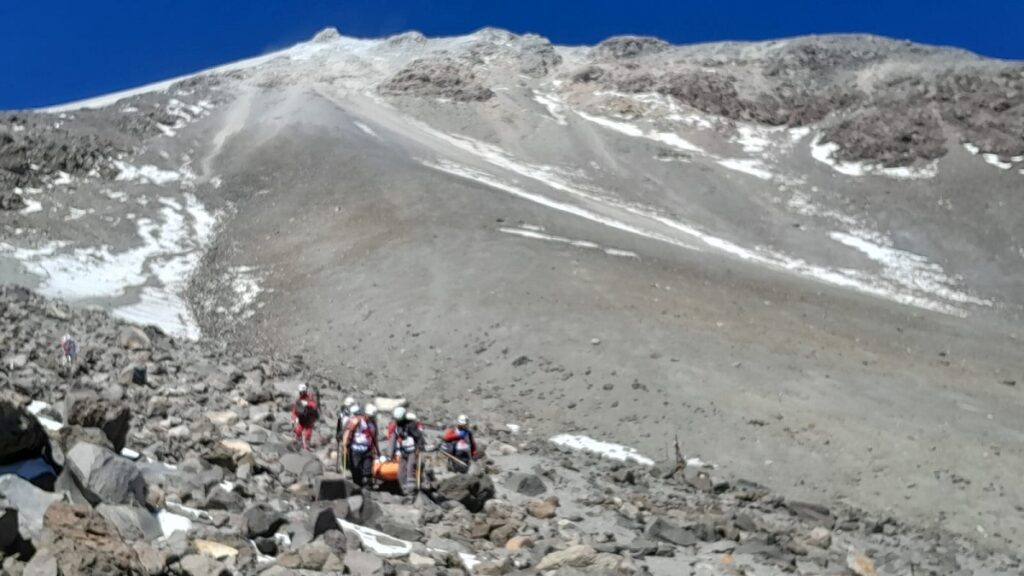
pixel 363 510
pixel 266 545
pixel 86 409
pixel 624 476
pixel 526 484
pixel 261 520
pixel 472 491
pixel 9 533
pixel 221 499
pixel 399 530
pixel 334 487
pixel 322 520
pixel 815 513
pixel 21 435
pixel 9 201
pixel 666 531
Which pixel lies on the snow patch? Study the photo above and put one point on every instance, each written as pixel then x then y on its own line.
pixel 668 138
pixel 606 449
pixel 32 206
pixel 171 523
pixel 554 105
pixel 753 139
pixel 493 182
pixel 160 267
pixel 366 129
pixel 145 174
pixel 747 166
pixel 996 161
pixel 526 233
pixel 906 269
pixel 378 542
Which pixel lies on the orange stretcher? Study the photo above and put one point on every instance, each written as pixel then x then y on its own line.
pixel 386 470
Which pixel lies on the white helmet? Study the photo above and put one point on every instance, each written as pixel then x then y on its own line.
pixel 410 417
pixel 371 410
pixel 302 388
pixel 462 420
pixel 355 410
pixel 66 338
pixel 349 401
pixel 399 413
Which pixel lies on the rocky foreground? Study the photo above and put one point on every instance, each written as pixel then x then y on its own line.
pixel 174 458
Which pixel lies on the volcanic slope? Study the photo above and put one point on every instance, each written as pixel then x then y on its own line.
pixel 802 256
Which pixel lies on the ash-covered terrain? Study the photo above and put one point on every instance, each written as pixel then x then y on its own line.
pixel 803 257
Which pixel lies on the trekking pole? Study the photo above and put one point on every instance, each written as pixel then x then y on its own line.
pixel 419 469
pixel 453 459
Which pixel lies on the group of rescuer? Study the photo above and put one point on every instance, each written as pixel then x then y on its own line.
pixel 400 459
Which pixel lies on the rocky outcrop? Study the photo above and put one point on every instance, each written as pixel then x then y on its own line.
pixel 437 78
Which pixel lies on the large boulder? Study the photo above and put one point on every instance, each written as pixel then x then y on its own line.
pixel 261 520
pixel 31 503
pixel 106 477
pixel 302 465
pixel 83 543
pixel 22 437
pixel 472 491
pixel 85 408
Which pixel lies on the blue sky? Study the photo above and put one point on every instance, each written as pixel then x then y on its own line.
pixel 56 51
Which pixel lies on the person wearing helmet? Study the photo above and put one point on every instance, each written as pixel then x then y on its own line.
pixel 408 442
pixel 343 415
pixel 360 442
pixel 70 349
pixel 304 415
pixel 459 444
pixel 397 419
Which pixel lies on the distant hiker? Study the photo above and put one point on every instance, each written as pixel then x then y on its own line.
pixel 460 444
pixel 408 443
pixel 70 349
pixel 305 413
pixel 360 443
